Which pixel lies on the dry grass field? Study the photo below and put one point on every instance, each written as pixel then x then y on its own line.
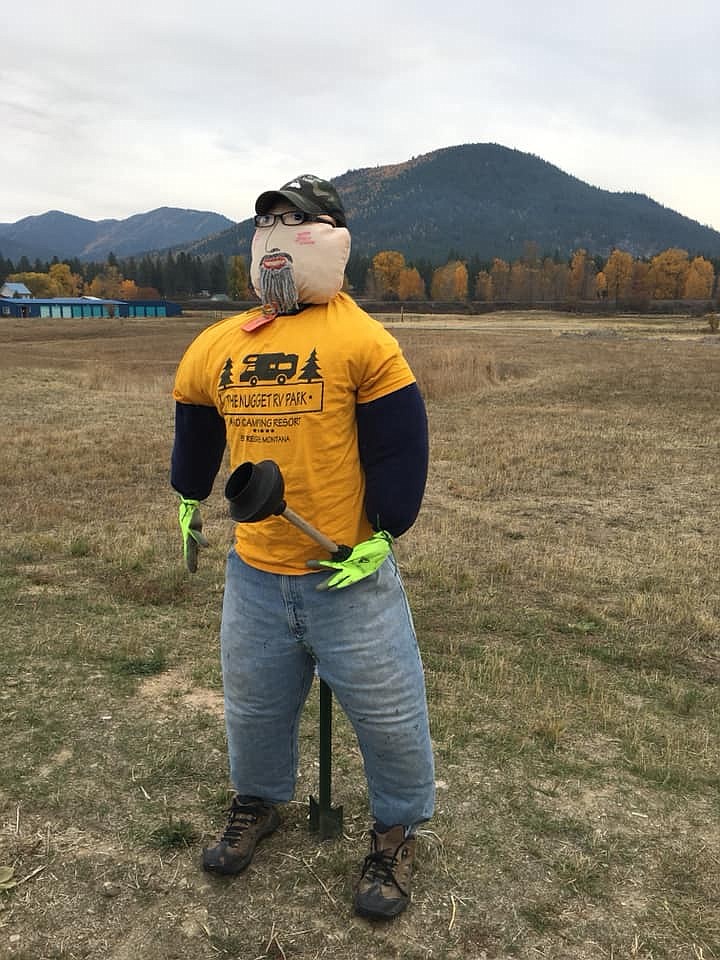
pixel 564 576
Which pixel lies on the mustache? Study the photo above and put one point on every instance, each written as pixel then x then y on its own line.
pixel 277 281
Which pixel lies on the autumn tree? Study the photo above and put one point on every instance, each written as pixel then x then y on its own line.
pixel 553 279
pixel 581 279
pixel 128 290
pixel 519 284
pixel 640 286
pixel 668 274
pixel 484 286
pixel 68 283
pixel 386 269
pixel 411 285
pixel 106 284
pixel 449 282
pixel 460 281
pixel 618 275
pixel 441 285
pixel 700 280
pixel 500 274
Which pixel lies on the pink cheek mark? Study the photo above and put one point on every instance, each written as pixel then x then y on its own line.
pixel 304 237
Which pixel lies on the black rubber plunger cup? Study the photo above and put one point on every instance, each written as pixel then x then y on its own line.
pixel 257 490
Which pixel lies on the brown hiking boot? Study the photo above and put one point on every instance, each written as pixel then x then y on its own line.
pixel 249 820
pixel 384 888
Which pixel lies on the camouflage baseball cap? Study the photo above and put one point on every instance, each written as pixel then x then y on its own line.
pixel 307 193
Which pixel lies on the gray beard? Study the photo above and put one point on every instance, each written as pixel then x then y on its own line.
pixel 277 287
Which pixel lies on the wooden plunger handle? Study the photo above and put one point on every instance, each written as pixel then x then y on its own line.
pixel 307 528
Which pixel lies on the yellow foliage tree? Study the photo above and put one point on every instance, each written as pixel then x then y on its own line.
pixel 68 283
pixel 553 280
pixel 601 284
pixel 107 284
pixel 500 273
pixel 700 279
pixel 641 285
pixel 581 279
pixel 519 286
pixel 619 275
pixel 449 282
pixel 484 286
pixel 668 273
pixel 411 285
pixel 386 269
pixel 128 290
pixel 460 281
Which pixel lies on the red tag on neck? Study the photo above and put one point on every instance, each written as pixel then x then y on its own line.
pixel 267 316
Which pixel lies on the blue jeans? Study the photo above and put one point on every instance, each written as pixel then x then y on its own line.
pixel 275 631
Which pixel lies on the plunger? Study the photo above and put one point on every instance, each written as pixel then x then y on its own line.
pixel 256 491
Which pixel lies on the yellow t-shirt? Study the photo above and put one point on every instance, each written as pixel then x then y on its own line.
pixel 288 392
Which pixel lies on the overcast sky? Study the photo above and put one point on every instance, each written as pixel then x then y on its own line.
pixel 110 109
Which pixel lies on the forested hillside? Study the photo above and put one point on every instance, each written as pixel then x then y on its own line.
pixel 486 201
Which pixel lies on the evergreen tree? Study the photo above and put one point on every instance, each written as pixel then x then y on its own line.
pixel 167 289
pixel 311 368
pixel 425 268
pixel 227 372
pixel 129 269
pixel 199 276
pixel 356 272
pixel 218 274
pixel 145 276
pixel 237 278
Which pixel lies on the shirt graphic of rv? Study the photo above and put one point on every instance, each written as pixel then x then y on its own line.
pixel 275 367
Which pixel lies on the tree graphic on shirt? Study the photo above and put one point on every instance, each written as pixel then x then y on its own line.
pixel 226 375
pixel 311 369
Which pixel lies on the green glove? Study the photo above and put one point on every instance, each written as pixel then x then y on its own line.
pixel 364 559
pixel 191 527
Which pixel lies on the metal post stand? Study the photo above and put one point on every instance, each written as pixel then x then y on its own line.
pixel 325 820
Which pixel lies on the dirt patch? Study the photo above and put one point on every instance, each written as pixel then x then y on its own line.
pixel 172 688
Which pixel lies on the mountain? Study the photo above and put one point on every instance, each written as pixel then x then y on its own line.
pixel 64 235
pixel 491 201
pixel 477 199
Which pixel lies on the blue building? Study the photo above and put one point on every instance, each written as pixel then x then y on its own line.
pixel 10 289
pixel 86 307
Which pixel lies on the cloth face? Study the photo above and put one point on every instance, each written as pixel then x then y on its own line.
pixel 303 264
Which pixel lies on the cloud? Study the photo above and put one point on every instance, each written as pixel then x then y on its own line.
pixel 124 108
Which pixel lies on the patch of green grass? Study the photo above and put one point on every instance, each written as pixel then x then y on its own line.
pixel 80 547
pixel 147 665
pixel 543 917
pixel 174 833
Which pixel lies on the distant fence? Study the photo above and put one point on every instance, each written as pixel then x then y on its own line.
pixel 691 308
pixel 694 308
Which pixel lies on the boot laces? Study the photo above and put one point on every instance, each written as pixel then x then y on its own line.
pixel 379 865
pixel 241 816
